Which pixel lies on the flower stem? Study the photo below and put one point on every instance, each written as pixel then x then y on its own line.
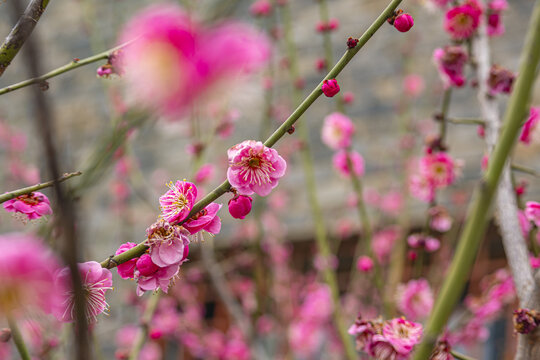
pixel 525 170
pixel 279 133
pixel 62 69
pixel 460 356
pixel 144 326
pixel 466 121
pixel 18 339
pixel 476 222
pixel 27 190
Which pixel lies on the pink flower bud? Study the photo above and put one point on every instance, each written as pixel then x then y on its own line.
pixel 330 87
pixel 364 264
pixel 240 206
pixel 404 22
pixel 333 24
pixel 146 266
pixel 348 97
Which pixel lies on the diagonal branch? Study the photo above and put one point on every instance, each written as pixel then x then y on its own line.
pixel 20 32
pixel 27 190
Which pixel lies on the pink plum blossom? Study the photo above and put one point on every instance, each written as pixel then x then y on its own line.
pixel 172 60
pixel 383 243
pixel 151 277
pixel 126 269
pixel 495 26
pixel 531 129
pixel 428 243
pixel 254 168
pixel 440 167
pixel 205 173
pixel 532 212
pixel 348 98
pixel 402 334
pixel 178 201
pixel 206 220
pixel 341 163
pixel 422 188
pixel 391 202
pixel 413 85
pixel 27 270
pixel 337 131
pixel 33 205
pixel 364 264
pixel 500 80
pixel 450 62
pixel 260 8
pixel 414 299
pixel 167 244
pixel 96 281
pixel 440 220
pixel 461 21
pixel 524 224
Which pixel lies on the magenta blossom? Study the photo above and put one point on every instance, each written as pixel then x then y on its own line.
pixel 167 244
pixel 462 21
pixel 440 167
pixel 495 26
pixel 240 206
pixel 32 206
pixel 151 277
pixel 364 264
pixel 173 61
pixel 531 128
pixel 96 281
pixel 532 212
pixel 450 62
pixel 341 163
pixel 206 220
pixel 27 271
pixel 440 220
pixel 428 243
pixel 126 269
pixel 402 334
pixel 404 22
pixel 500 80
pixel 178 201
pixel 261 8
pixel 205 173
pixel 337 131
pixel 254 168
pixel 415 299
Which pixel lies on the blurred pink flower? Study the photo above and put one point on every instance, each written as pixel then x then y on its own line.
pixel 32 206
pixel 348 97
pixel 524 224
pixel 254 168
pixel 96 281
pixel 206 220
pixel 342 166
pixel 461 21
pixel 205 173
pixel 27 270
pixel 428 243
pixel 440 220
pixel 422 188
pixel 450 62
pixel 531 128
pixel 532 212
pixel 125 270
pixel 413 85
pixel 415 299
pixel 500 80
pixel 178 201
pixel 495 27
pixel 402 334
pixel 337 131
pixel 172 61
pixel 260 8
pixel 391 202
pixel 167 244
pixel 440 167
pixel 364 264
pixel 383 243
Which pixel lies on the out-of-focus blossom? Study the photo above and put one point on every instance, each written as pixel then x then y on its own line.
pixel 172 61
pixel 254 168
pixel 96 281
pixel 440 220
pixel 534 261
pixel 348 97
pixel 500 80
pixel 364 264
pixel 391 202
pixel 320 64
pixel 415 299
pixel 383 242
pixel 440 167
pixel 428 243
pixel 525 320
pixel 495 26
pixel 531 129
pixel 337 131
pixel 205 173
pixel 341 161
pixel 32 206
pixel 402 334
pixel 413 85
pixel 450 62
pixel 260 8
pixel 524 224
pixel 330 87
pixel 27 270
pixel 178 201
pixel 462 21
pixel 532 212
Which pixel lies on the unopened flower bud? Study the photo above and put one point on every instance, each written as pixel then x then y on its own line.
pixel 404 22
pixel 364 264
pixel 352 42
pixel 146 266
pixel 240 206
pixel 525 320
pixel 330 87
pixel 5 334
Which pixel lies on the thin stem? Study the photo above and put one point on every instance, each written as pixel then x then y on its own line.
pixel 444 113
pixel 466 121
pixel 460 356
pixel 27 190
pixel 476 222
pixel 18 339
pixel 62 69
pixel 525 170
pixel 142 335
pixel 278 134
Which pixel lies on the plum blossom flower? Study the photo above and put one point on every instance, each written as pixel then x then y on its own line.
pixel 337 131
pixel 532 212
pixel 204 174
pixel 167 244
pixel 206 220
pixel 402 334
pixel 531 129
pixel 364 264
pixel 415 299
pixel 260 8
pixel 495 26
pixel 440 220
pixel 450 62
pixel 172 60
pixel 126 269
pixel 27 270
pixel 254 168
pixel 32 206
pixel 341 163
pixel 413 85
pixel 383 241
pixel 461 21
pixel 500 80
pixel 178 201
pixel 151 277
pixel 440 167
pixel 96 281
pixel 428 243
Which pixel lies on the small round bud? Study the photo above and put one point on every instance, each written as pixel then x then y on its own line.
pixel 240 206
pixel 352 42
pixel 146 266
pixel 404 22
pixel 364 264
pixel 330 87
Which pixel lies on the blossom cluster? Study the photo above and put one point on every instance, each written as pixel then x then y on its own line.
pixel 386 340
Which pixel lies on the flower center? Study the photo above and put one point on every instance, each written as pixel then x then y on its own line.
pixel 254 163
pixel 28 199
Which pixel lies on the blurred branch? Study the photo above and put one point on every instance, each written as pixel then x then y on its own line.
pixel 466 121
pixel 20 32
pixel 18 339
pixel 27 190
pixel 144 326
pixel 525 170
pixel 460 356
pixel 68 67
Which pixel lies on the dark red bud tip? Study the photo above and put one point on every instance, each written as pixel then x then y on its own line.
pixel 352 42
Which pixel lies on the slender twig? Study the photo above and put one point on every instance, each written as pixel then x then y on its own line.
pixel 144 325
pixel 460 356
pixel 476 222
pixel 466 121
pixel 444 114
pixel 62 69
pixel 525 170
pixel 20 32
pixel 18 339
pixel 27 190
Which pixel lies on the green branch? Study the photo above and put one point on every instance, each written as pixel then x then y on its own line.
pixel 27 190
pixel 68 67
pixel 477 218
pixel 18 339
